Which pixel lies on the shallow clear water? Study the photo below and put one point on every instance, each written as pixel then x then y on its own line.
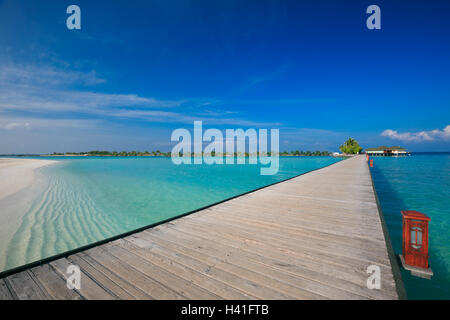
pixel 420 182
pixel 85 200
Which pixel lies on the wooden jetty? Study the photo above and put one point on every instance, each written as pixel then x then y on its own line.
pixel 310 237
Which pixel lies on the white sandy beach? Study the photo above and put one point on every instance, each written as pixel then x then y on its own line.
pixel 16 175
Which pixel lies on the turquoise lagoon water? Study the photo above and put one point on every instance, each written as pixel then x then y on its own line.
pixel 84 200
pixel 420 182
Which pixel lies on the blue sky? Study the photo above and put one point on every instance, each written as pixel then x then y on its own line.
pixel 139 69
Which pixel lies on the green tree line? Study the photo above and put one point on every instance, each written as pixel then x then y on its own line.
pixel 99 153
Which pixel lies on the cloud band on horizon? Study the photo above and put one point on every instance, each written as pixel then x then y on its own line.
pixel 420 136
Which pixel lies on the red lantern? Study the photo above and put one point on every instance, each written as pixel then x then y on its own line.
pixel 415 243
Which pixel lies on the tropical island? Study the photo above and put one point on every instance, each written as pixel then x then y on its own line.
pixel 350 147
pixel 157 153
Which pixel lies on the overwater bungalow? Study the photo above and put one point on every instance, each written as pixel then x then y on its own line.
pixel 384 151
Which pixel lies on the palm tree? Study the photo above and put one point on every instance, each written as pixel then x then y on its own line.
pixel 351 146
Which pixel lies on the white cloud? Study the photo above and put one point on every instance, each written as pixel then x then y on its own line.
pixel 27 123
pixel 166 116
pixel 47 92
pixel 16 125
pixel 47 89
pixel 37 100
pixel 420 136
pixel 48 75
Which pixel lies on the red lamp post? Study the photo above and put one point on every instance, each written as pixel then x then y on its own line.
pixel 415 244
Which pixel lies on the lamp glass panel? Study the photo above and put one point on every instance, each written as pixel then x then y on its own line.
pixel 416 237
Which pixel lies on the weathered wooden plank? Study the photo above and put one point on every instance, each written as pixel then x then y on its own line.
pixel 244 279
pixel 5 294
pixel 314 210
pixel 289 259
pixel 341 256
pixel 89 288
pixel 143 247
pixel 142 281
pixel 25 287
pixel 231 259
pixel 50 281
pixel 302 224
pixel 100 277
pixel 345 244
pixel 205 267
pixel 172 281
pixel 326 285
pixel 296 229
pixel 345 219
pixel 84 260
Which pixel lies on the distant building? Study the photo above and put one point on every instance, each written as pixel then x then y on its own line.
pixel 384 151
pixel 336 154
